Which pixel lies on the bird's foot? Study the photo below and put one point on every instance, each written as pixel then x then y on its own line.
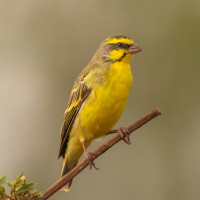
pixel 124 133
pixel 90 161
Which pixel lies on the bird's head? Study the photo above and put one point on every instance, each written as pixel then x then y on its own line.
pixel 118 48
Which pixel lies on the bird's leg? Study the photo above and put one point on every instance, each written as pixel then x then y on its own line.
pixel 124 133
pixel 88 156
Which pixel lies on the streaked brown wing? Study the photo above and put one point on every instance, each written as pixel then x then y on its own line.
pixel 78 95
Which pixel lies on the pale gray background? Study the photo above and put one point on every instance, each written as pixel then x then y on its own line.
pixel 43 47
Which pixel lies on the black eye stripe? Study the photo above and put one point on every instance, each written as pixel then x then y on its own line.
pixel 122 45
pixel 116 46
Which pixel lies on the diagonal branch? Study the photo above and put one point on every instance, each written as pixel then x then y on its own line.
pixel 100 150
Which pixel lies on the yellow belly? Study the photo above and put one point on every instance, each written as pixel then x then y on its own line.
pixel 105 104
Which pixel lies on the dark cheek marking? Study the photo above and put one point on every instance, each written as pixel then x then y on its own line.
pixel 120 59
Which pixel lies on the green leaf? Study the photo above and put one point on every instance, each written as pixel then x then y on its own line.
pixel 26 188
pixel 19 176
pixel 38 198
pixel 3 179
pixel 2 190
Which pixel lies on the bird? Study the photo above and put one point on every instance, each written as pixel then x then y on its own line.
pixel 97 101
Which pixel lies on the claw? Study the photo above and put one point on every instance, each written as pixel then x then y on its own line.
pixel 88 157
pixel 90 161
pixel 124 133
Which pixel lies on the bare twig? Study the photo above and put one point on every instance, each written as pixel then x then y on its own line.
pixel 100 150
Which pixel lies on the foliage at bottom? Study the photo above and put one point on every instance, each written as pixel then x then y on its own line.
pixel 19 189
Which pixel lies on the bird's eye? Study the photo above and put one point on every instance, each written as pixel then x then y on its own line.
pixel 119 44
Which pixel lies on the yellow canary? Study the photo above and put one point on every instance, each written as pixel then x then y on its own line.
pixel 97 100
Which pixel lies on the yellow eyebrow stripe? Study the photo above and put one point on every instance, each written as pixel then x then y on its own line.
pixel 121 40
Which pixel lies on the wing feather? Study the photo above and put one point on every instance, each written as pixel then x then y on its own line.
pixel 78 95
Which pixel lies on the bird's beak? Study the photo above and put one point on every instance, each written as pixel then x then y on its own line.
pixel 134 48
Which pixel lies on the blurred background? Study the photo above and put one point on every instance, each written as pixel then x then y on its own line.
pixel 44 45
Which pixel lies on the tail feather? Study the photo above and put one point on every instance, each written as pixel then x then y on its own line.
pixel 67 187
pixel 67 166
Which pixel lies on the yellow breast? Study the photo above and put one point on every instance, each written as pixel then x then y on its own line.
pixel 104 106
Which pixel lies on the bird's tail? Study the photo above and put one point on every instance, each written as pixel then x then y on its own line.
pixel 67 166
pixel 70 161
